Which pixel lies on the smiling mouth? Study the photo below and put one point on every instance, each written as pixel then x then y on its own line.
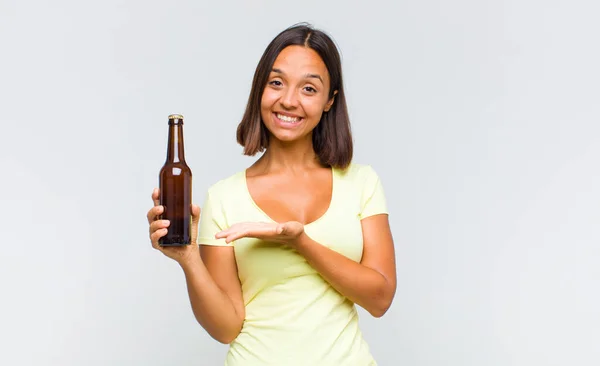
pixel 288 119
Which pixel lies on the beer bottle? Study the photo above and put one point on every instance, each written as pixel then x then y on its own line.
pixel 175 184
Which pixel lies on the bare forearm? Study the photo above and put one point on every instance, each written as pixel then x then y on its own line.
pixel 360 284
pixel 212 307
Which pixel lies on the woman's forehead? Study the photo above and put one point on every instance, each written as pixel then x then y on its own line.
pixel 300 61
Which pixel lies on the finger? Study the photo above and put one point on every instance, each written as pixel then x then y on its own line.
pixel 235 236
pixel 227 232
pixel 159 224
pixel 155 196
pixel 222 234
pixel 232 230
pixel 157 235
pixel 153 212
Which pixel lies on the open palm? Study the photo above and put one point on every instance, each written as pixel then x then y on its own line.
pixel 285 232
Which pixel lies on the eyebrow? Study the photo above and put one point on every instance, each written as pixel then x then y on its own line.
pixel 315 76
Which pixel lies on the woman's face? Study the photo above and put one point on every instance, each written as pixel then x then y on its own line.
pixel 296 94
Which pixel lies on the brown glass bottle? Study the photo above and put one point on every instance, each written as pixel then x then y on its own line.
pixel 175 184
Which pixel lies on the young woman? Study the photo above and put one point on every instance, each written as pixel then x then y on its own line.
pixel 289 245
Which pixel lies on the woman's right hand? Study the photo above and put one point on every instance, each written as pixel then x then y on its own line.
pixel 159 228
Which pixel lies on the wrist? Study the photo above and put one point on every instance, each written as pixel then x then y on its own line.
pixel 191 258
pixel 300 241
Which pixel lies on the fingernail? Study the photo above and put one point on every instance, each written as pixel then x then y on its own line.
pixel 166 222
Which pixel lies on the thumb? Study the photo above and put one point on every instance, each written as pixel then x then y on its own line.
pixel 195 214
pixel 156 196
pixel 281 229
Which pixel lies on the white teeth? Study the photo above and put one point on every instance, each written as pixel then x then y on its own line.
pixel 286 118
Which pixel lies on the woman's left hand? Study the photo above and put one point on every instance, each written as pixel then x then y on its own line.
pixel 286 233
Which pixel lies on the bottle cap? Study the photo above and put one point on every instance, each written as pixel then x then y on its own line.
pixel 175 116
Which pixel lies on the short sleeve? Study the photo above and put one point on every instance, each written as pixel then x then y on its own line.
pixel 373 200
pixel 212 221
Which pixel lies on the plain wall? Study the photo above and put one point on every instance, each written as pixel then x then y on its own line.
pixel 481 117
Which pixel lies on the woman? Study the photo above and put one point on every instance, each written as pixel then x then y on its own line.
pixel 290 244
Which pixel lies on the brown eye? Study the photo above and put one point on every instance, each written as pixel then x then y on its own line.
pixel 310 89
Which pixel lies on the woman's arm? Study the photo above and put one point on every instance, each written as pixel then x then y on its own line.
pixel 211 276
pixel 215 292
pixel 370 283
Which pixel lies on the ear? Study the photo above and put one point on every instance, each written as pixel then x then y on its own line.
pixel 330 102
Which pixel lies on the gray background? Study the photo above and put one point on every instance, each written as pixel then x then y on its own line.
pixel 481 117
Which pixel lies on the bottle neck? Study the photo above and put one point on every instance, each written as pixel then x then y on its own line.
pixel 175 151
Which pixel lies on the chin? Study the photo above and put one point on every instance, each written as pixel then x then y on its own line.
pixel 285 136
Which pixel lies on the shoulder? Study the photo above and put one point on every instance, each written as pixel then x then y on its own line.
pixel 364 182
pixel 227 187
pixel 361 180
pixel 359 173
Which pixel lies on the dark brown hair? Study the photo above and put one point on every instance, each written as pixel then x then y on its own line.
pixel 332 137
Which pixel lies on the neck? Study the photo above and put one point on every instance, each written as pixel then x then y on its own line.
pixel 289 156
pixel 175 151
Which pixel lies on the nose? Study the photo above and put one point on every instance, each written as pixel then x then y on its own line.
pixel 289 99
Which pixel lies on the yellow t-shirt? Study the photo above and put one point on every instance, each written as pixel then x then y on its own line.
pixel 293 316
